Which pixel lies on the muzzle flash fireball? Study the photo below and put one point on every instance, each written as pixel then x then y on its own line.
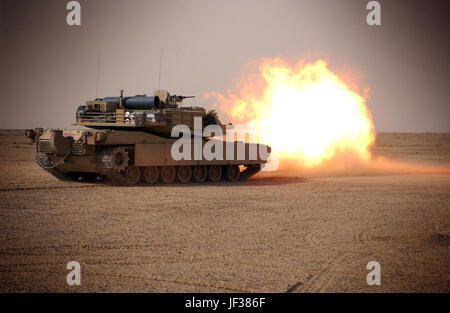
pixel 306 113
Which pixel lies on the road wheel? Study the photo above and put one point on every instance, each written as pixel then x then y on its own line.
pixel 200 173
pixel 215 173
pixel 168 174
pixel 132 175
pixel 184 174
pixel 151 174
pixel 233 172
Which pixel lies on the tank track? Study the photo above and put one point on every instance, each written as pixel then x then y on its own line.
pixel 104 163
pixel 44 161
pixel 251 170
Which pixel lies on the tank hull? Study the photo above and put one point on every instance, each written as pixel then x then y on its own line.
pixel 130 157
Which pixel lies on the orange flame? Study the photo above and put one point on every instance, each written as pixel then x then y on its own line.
pixel 306 113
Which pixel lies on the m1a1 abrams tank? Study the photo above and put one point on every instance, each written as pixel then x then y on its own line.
pixel 129 139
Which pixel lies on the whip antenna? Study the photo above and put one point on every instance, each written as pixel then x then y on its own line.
pixel 98 71
pixel 160 66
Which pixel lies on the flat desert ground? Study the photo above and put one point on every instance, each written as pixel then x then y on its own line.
pixel 302 233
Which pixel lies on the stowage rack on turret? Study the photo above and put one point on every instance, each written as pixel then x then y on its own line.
pixel 156 114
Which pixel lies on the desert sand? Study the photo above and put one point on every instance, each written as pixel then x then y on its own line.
pixel 273 233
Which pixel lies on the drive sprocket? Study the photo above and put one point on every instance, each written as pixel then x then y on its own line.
pixel 120 159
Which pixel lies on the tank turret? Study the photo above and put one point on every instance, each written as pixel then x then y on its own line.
pixel 156 114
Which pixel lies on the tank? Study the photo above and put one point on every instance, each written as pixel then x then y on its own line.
pixel 131 140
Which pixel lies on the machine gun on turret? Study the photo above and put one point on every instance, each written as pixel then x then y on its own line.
pixel 177 99
pixel 173 101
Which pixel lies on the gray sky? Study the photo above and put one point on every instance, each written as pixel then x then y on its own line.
pixel 48 68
